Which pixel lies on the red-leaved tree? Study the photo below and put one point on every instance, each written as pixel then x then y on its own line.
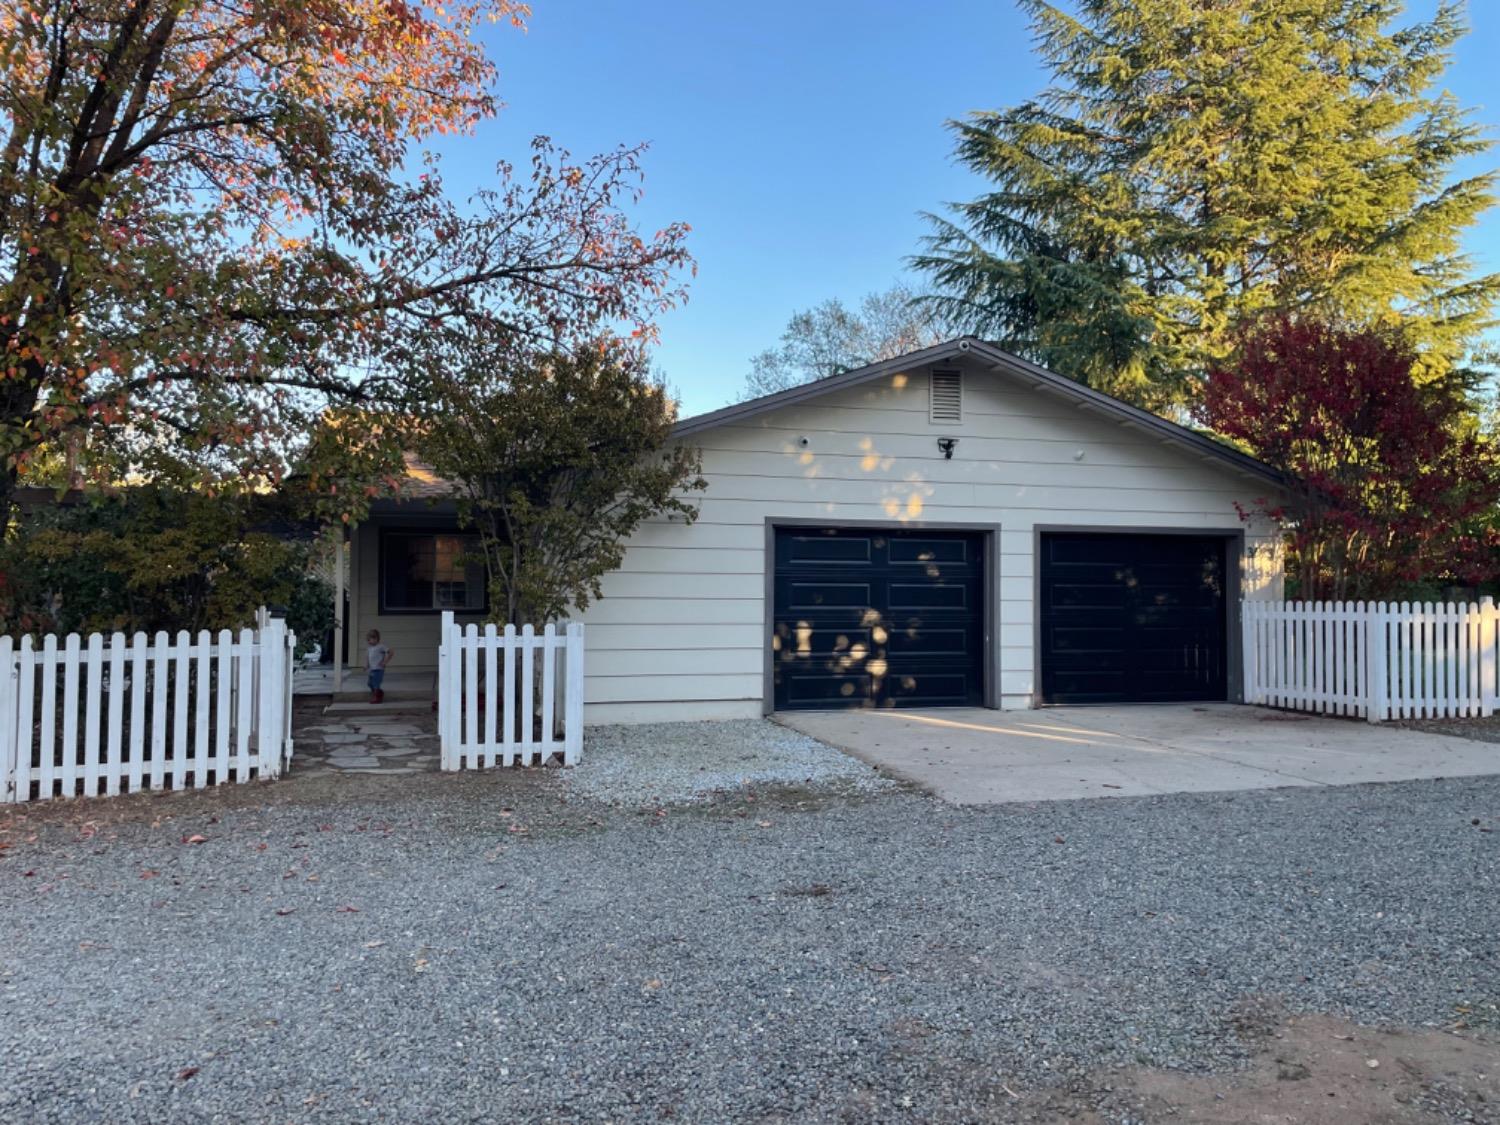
pixel 1389 482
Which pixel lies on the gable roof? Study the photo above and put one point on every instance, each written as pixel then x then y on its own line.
pixel 986 354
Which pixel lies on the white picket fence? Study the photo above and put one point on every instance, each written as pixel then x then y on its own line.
pixel 1373 660
pixel 492 709
pixel 109 714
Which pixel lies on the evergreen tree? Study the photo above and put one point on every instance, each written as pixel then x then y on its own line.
pixel 1198 164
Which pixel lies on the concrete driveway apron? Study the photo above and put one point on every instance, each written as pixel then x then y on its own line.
pixel 976 756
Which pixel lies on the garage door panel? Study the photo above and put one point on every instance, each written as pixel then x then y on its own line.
pixel 932 595
pixel 929 642
pixel 816 689
pixel 1132 617
pixel 818 550
pixel 929 689
pixel 817 595
pixel 1089 687
pixel 1077 552
pixel 1089 595
pixel 796 638
pixel 1068 643
pixel 927 551
pixel 908 632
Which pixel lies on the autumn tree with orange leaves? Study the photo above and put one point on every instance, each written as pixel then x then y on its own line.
pixel 216 223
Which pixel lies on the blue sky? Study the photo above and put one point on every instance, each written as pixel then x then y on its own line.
pixel 801 141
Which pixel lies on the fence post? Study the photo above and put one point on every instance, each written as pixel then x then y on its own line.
pixel 1377 690
pixel 10 672
pixel 288 695
pixel 1248 687
pixel 573 697
pixel 447 650
pixel 1488 688
pixel 268 735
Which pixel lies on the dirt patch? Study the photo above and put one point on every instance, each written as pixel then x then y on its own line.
pixel 1318 1070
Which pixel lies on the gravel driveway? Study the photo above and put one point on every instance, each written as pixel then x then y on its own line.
pixel 505 947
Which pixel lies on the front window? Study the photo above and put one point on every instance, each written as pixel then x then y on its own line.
pixel 424 570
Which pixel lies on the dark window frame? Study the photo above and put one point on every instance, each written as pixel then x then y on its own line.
pixel 383 609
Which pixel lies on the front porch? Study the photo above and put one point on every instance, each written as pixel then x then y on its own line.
pixel 401 686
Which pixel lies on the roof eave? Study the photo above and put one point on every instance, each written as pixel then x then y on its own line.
pixel 1170 432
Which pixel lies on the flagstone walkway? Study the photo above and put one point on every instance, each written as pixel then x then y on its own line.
pixel 369 742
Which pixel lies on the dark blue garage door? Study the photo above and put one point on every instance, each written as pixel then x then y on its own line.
pixel 1132 618
pixel 878 619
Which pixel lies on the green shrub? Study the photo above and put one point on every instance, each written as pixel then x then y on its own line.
pixel 149 558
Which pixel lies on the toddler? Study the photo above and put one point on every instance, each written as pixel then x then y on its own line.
pixel 377 656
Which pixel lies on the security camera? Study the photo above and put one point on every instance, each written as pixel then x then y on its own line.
pixel 963 345
pixel 804 440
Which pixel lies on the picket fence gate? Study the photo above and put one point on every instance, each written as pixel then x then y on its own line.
pixel 491 708
pixel 109 714
pixel 1372 660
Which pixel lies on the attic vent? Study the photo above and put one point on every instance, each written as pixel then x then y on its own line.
pixel 946 402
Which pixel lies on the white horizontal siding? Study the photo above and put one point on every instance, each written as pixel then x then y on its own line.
pixel 680 630
pixel 1110 449
pixel 672 710
pixel 705 560
pixel 682 637
pixel 724 661
pixel 655 618
pixel 686 585
pixel 860 469
pixel 706 535
pixel 666 689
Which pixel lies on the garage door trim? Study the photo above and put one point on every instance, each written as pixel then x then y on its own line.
pixel 989 674
pixel 1234 551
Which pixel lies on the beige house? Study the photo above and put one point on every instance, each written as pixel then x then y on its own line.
pixel 953 527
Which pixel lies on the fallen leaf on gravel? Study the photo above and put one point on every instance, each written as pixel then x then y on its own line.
pixel 347 910
pixel 653 984
pixel 262 846
pixel 1058 840
pixel 373 944
pixel 420 966
pixel 187 1072
pixel 283 911
pixel 149 874
pixel 195 839
pixel 1373 1064
pixel 762 824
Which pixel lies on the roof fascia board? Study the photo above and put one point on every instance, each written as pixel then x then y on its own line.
pixel 1086 396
